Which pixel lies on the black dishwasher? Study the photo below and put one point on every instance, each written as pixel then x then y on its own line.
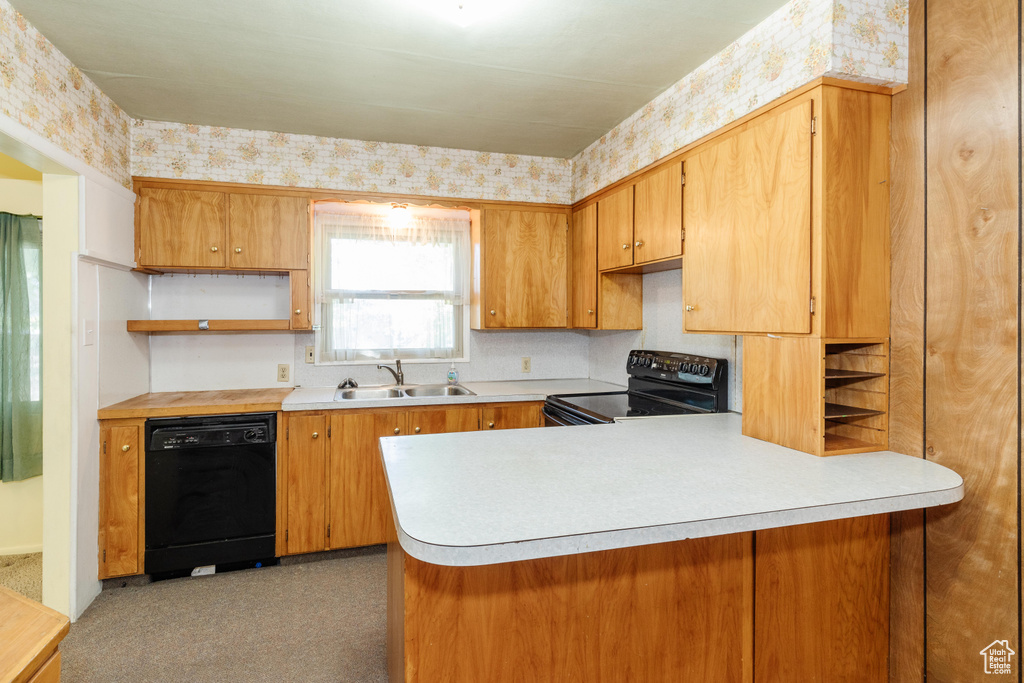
pixel 210 492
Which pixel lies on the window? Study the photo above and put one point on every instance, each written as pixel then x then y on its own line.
pixel 392 283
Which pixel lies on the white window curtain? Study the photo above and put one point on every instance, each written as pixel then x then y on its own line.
pixel 391 283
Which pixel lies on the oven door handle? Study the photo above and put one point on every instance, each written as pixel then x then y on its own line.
pixel 560 418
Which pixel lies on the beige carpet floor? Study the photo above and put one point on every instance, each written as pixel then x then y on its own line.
pixel 316 621
pixel 23 574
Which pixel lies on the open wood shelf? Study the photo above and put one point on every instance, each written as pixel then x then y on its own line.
pixel 215 326
pixel 836 444
pixel 850 374
pixel 837 410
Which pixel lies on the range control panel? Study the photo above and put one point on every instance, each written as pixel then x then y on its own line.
pixel 675 367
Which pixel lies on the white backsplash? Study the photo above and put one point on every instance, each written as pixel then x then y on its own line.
pixel 663 331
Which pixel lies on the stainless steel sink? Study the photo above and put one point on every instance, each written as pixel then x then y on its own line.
pixel 438 390
pixel 368 392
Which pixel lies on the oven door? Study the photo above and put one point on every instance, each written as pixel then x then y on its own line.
pixel 556 417
pixel 560 412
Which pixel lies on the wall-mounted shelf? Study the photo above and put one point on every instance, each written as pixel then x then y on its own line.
pixel 152 326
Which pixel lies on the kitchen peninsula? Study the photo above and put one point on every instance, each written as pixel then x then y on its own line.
pixel 663 549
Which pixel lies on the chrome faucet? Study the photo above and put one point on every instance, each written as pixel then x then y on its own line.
pixel 399 375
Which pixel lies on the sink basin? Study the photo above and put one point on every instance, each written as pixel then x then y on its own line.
pixel 438 390
pixel 367 392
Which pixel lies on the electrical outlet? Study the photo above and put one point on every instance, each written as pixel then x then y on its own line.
pixel 309 354
pixel 282 372
pixel 526 364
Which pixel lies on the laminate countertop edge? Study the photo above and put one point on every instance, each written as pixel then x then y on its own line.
pixel 460 500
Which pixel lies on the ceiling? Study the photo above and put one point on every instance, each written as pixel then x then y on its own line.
pixel 544 77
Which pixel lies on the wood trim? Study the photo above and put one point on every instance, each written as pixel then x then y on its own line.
pixel 317 195
pixel 215 326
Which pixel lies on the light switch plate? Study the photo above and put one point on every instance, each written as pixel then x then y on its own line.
pixel 88 332
pixel 309 354
pixel 526 364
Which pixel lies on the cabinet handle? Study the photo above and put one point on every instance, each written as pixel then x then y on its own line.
pixel 691 308
pixel 590 311
pixel 625 246
pixel 492 311
pixel 213 248
pixel 315 435
pixel 417 430
pixel 490 425
pixel 238 250
pixel 639 244
pixel 298 311
pixel 126 448
pixel 397 430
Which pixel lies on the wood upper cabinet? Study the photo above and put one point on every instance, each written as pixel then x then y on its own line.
pixel 511 416
pixel 121 537
pixel 306 482
pixel 181 229
pixel 583 241
pixel 747 213
pixel 523 276
pixel 268 232
pixel 787 230
pixel 615 229
pixel 658 215
pixel 217 229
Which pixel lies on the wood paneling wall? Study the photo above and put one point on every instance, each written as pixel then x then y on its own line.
pixel 955 363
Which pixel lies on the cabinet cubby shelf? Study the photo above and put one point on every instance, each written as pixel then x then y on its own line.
pixel 836 410
pixel 850 374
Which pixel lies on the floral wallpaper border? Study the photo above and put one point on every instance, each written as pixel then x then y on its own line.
pixel 42 90
pixel 176 150
pixel 859 40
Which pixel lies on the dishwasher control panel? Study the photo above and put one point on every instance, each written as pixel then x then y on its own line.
pixel 220 430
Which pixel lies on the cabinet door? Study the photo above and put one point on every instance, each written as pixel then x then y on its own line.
pixel 444 420
pixel 306 445
pixel 525 276
pixel 119 501
pixel 299 283
pixel 583 238
pixel 513 416
pixel 182 228
pixel 658 215
pixel 268 232
pixel 359 506
pixel 747 212
pixel 615 230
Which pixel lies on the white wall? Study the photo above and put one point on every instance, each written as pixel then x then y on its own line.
pixel 21 502
pixel 663 331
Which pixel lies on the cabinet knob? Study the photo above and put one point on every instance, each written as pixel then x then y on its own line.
pixel 490 425
pixel 315 435
pixel 492 311
pixel 298 311
pixel 417 430
pixel 625 246
pixel 238 250
pixel 691 308
pixel 397 430
pixel 213 248
pixel 126 448
pixel 639 244
pixel 590 311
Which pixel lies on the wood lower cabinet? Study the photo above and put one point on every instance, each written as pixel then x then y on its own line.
pixel 521 276
pixel 305 488
pixel 122 486
pixel 511 416
pixel 333 487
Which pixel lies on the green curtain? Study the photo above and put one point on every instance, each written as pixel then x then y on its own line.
pixel 21 415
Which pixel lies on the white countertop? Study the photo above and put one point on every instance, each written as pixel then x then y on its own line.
pixel 488 497
pixel 322 398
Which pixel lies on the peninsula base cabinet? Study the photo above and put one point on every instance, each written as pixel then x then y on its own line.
pixel 332 492
pixel 803 603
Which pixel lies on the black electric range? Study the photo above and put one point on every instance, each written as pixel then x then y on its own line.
pixel 660 383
